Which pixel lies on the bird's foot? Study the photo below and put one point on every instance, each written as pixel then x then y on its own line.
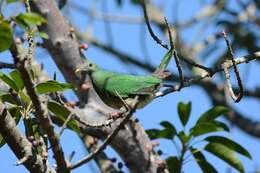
pixel 122 110
pixel 116 114
pixel 163 74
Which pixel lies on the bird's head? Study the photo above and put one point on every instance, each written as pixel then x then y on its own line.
pixel 87 66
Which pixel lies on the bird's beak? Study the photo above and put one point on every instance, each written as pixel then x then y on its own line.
pixel 79 70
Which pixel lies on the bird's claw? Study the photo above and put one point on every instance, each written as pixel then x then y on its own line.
pixel 116 114
pixel 163 74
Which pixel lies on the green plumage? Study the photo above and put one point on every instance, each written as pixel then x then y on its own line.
pixel 111 85
pixel 123 84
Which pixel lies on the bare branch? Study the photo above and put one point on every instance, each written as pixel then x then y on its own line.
pixel 64 125
pixel 6 65
pixel 177 60
pixel 21 147
pixel 240 84
pixel 156 39
pixel 40 109
pixel 104 162
pixel 213 71
pixel 109 138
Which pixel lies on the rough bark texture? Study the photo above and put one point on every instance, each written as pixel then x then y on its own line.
pixel 21 147
pixel 131 142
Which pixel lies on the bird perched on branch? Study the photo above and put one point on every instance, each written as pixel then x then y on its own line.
pixel 116 88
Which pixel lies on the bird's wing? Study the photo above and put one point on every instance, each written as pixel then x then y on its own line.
pixel 126 85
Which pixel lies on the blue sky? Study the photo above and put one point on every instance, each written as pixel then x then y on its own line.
pixel 127 39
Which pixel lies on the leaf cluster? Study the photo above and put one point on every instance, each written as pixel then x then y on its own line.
pixel 203 130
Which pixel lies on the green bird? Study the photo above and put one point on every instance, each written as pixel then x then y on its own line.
pixel 112 87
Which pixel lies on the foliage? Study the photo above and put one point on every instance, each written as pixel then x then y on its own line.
pixel 206 130
pixel 220 146
pixel 20 103
pixel 29 19
pixel 6 35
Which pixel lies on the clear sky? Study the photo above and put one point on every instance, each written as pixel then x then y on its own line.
pixel 127 38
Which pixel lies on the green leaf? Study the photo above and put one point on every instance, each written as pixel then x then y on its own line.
pixel 16 76
pixel 204 165
pixel 15 113
pixel 184 112
pixel 169 127
pixel 183 137
pixel 12 1
pixel 225 154
pixel 205 128
pixel 156 134
pixel 6 35
pixel 52 86
pixel 29 19
pixel 165 61
pixel 9 81
pixel 63 113
pixel 221 125
pixel 229 144
pixel 153 133
pixel 212 114
pixel 44 35
pixel 8 98
pixel 24 97
pixel 173 164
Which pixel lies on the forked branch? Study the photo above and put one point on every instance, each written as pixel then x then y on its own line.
pixel 227 75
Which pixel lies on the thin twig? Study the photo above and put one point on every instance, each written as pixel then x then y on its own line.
pixel 228 64
pixel 192 63
pixel 156 39
pixel 6 65
pixel 64 125
pixel 177 60
pixel 72 154
pixel 240 84
pixel 127 116
pixel 188 61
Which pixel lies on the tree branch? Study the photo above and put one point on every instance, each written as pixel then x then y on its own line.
pixel 21 147
pixel 63 47
pixel 213 71
pixel 155 38
pixel 109 138
pixel 103 161
pixel 40 109
pixel 240 84
pixel 6 65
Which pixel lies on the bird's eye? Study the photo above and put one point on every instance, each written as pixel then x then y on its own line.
pixel 90 65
